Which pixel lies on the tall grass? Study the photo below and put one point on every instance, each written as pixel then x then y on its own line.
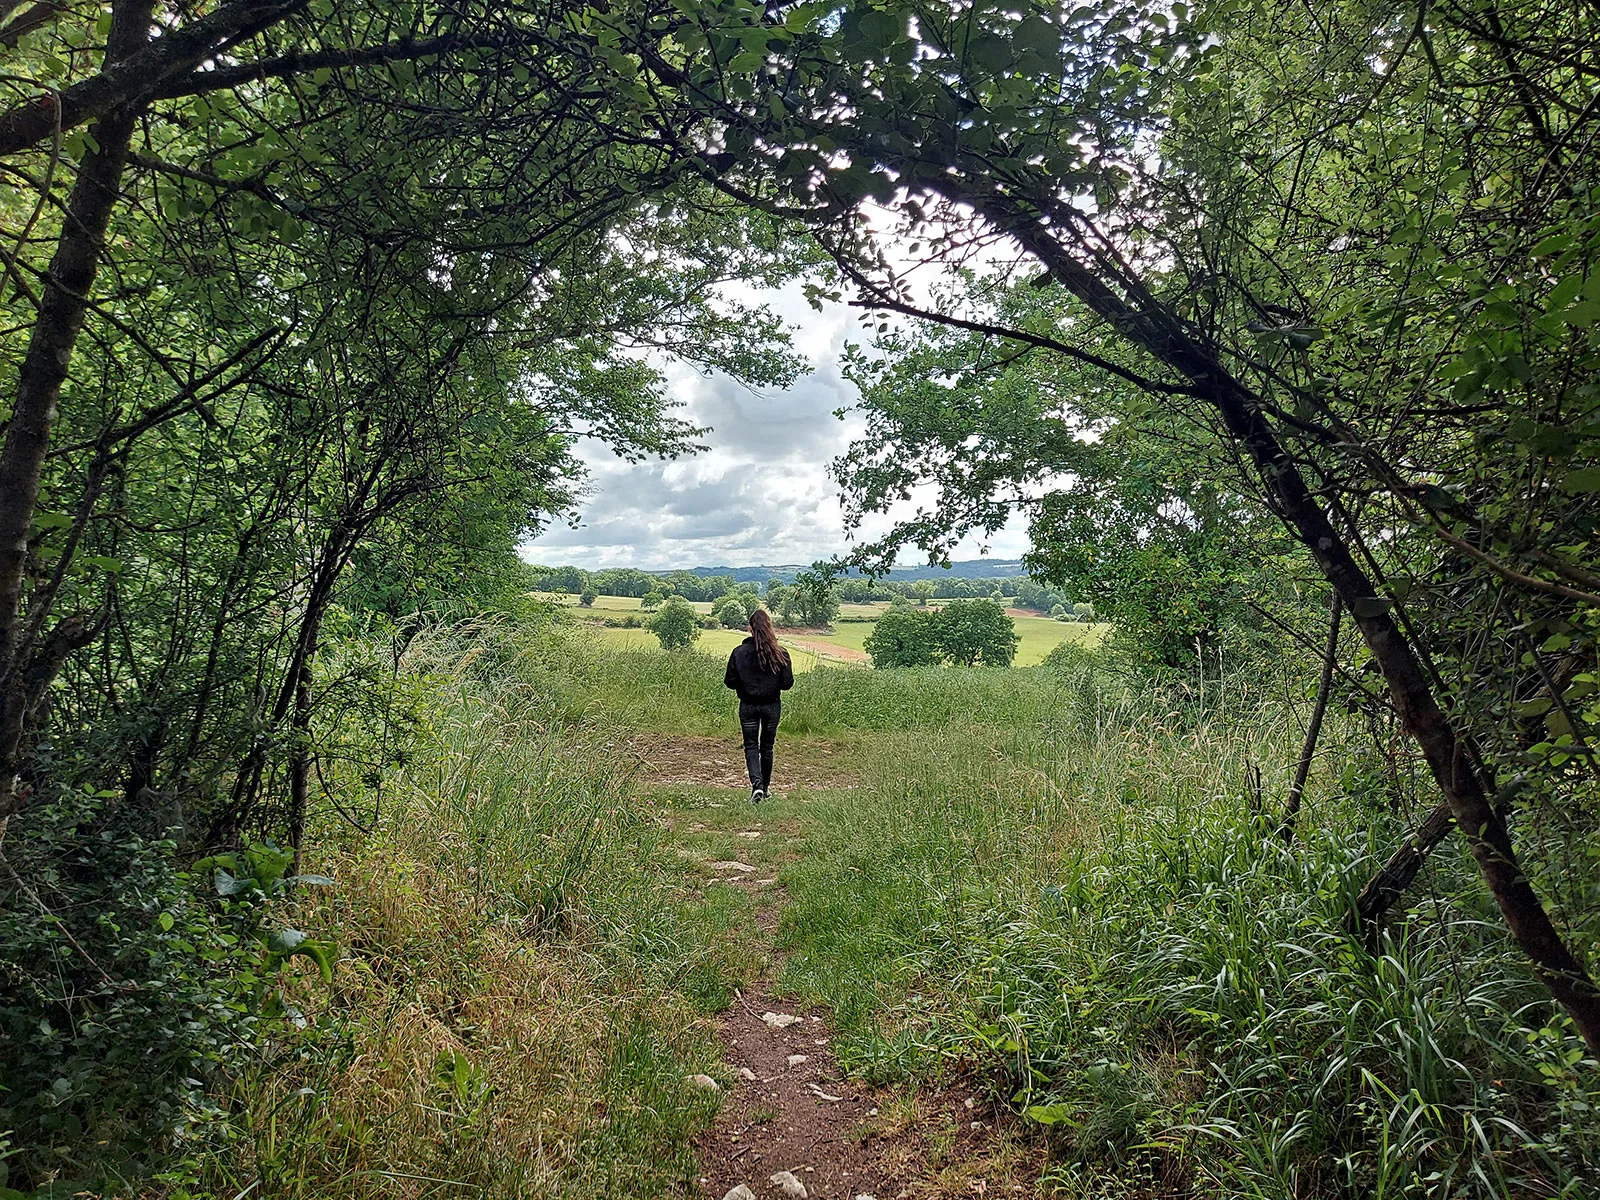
pixel 684 693
pixel 1093 912
pixel 524 980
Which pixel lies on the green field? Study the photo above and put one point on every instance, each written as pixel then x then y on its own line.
pixel 1038 635
pixel 612 604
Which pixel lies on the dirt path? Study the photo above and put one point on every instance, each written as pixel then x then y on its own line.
pixel 718 762
pixel 790 1108
pixel 830 650
pixel 787 1107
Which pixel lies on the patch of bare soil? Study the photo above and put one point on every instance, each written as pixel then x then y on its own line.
pixel 824 649
pixel 789 1110
pixel 793 1120
pixel 719 762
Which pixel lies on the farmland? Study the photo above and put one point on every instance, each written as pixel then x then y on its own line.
pixel 1038 635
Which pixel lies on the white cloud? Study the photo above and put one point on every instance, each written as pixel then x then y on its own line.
pixel 759 494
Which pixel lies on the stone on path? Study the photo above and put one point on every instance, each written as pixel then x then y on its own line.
pixel 730 865
pixel 739 1192
pixel 796 1059
pixel 746 1074
pixel 704 1082
pixel 791 1186
pixel 779 1020
pixel 822 1095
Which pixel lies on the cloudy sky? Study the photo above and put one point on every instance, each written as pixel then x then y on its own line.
pixel 760 494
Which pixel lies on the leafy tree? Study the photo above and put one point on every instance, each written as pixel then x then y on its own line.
pixel 677 625
pixel 732 611
pixel 923 590
pixel 1202 270
pixel 968 632
pixel 1058 611
pixel 904 636
pixel 587 598
pixel 652 600
pixel 814 600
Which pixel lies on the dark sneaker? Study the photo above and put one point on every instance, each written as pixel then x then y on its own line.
pixel 757 796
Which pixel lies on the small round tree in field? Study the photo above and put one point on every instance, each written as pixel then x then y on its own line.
pixel 1058 611
pixel 973 631
pixel 903 637
pixel 731 611
pixel 652 599
pixel 677 625
pixel 587 598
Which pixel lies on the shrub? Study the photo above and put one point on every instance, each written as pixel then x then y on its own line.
pixel 652 600
pixel 587 597
pixel 1058 611
pixel 130 990
pixel 677 625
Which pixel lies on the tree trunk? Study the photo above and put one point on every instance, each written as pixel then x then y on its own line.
pixel 1302 770
pixel 62 308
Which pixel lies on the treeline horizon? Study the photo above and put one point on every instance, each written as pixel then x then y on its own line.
pixel 634 583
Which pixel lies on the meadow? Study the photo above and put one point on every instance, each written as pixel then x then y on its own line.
pixel 1067 898
pixel 1038 635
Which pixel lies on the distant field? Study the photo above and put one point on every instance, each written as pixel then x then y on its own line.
pixel 610 604
pixel 1039 635
pixel 715 642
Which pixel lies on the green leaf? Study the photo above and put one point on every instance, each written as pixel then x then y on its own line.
pixel 228 884
pixel 321 953
pixel 1036 35
pixel 1050 1114
pixel 1584 479
pixel 1563 293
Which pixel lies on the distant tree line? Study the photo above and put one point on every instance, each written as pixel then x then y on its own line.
pixel 628 581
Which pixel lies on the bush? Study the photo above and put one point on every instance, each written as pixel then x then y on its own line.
pixel 587 598
pixel 1058 611
pixel 140 991
pixel 652 600
pixel 903 637
pixel 677 625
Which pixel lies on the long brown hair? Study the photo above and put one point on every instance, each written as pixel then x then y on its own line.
pixel 769 654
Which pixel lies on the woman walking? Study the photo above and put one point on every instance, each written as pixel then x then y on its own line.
pixel 759 670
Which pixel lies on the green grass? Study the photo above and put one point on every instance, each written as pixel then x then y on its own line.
pixel 1063 888
pixel 1100 926
pixel 526 972
pixel 684 692
pixel 1039 635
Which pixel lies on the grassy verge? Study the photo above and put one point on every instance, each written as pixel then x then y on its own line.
pixel 1107 933
pixel 525 977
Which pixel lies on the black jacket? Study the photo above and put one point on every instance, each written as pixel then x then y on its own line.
pixel 754 683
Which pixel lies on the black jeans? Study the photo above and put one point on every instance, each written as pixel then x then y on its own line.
pixel 759 724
